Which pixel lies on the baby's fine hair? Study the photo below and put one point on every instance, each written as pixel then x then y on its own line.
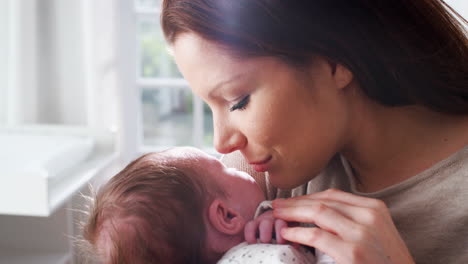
pixel 151 212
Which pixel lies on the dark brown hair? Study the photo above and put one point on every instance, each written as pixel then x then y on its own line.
pixel 402 52
pixel 151 212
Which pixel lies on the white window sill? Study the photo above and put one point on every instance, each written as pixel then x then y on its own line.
pixel 39 172
pixel 34 257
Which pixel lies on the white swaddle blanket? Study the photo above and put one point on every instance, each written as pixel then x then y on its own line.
pixel 267 254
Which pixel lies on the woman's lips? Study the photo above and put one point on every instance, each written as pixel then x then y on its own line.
pixel 261 166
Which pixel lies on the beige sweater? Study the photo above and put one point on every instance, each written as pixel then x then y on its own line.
pixel 430 209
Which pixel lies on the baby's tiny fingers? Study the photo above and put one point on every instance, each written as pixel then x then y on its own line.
pixel 250 232
pixel 266 230
pixel 280 224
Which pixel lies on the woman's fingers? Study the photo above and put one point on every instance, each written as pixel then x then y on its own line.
pixel 349 198
pixel 351 229
pixel 317 238
pixel 327 218
pixel 356 212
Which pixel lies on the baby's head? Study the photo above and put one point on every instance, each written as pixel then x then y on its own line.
pixel 176 206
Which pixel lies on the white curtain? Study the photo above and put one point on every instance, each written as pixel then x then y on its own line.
pixel 19 45
pixel 60 62
pixel 4 25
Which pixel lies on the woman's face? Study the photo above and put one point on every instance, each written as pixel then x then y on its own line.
pixel 286 122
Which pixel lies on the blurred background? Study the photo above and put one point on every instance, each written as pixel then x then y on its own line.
pixel 85 87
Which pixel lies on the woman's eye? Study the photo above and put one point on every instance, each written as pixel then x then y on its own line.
pixel 241 104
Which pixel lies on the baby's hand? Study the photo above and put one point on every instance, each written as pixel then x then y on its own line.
pixel 265 227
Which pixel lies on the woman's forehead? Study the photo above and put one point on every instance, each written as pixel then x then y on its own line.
pixel 191 45
pixel 203 62
pixel 207 66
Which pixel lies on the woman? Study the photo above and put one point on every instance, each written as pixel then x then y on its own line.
pixel 368 97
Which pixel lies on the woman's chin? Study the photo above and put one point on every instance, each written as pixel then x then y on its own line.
pixel 281 181
pixel 287 181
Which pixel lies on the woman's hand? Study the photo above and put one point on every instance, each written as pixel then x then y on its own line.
pixel 353 229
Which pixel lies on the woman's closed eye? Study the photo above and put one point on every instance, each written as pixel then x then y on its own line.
pixel 241 105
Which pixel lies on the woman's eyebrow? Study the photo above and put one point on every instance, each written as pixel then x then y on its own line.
pixel 216 88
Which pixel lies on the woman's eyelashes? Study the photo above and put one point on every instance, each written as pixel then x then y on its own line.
pixel 241 105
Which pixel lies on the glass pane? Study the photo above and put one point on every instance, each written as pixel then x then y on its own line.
pixel 208 126
pixel 155 60
pixel 151 4
pixel 167 116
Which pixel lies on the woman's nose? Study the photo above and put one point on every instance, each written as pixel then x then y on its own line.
pixel 227 138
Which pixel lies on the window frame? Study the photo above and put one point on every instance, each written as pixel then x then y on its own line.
pixel 155 83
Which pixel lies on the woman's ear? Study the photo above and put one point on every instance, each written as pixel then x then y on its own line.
pixel 342 75
pixel 225 219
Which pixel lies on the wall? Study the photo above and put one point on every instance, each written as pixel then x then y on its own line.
pixel 4 48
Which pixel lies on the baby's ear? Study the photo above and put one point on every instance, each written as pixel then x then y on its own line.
pixel 225 219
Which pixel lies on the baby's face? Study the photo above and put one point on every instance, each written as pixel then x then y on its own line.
pixel 243 193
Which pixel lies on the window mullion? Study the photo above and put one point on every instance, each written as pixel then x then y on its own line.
pixel 198 132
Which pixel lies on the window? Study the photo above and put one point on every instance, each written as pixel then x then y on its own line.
pixel 170 114
pixel 58 96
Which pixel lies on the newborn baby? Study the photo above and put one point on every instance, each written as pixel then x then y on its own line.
pixel 178 206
